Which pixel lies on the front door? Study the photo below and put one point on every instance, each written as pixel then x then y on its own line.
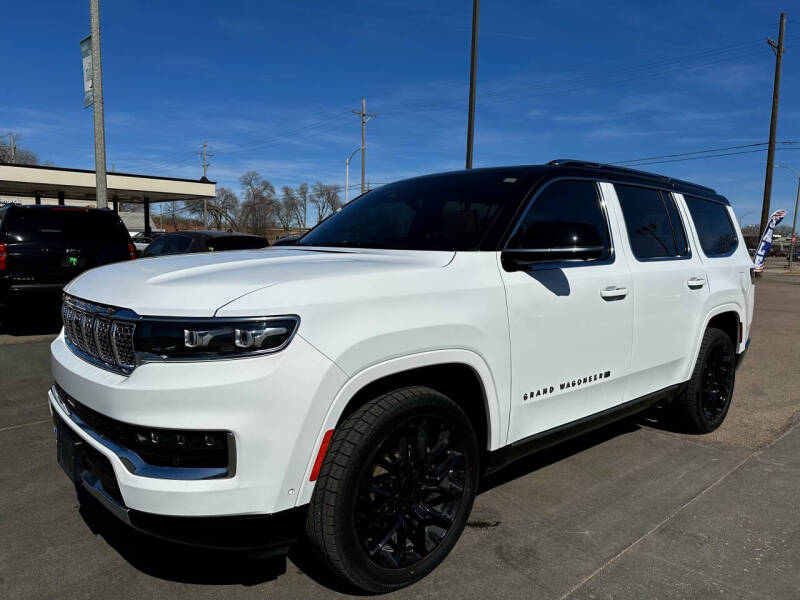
pixel 571 321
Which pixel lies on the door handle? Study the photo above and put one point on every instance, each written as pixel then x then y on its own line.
pixel 613 292
pixel 695 283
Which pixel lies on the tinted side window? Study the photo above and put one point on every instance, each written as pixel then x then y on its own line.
pixel 235 242
pixel 564 214
pixel 169 244
pixel 714 227
pixel 649 217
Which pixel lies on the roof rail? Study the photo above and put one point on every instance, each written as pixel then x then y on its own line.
pixel 571 162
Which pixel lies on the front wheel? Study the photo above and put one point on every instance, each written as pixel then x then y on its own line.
pixel 707 397
pixel 395 489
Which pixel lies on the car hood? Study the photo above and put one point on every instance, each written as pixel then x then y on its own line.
pixel 198 285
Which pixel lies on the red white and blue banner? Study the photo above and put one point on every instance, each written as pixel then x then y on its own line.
pixel 766 239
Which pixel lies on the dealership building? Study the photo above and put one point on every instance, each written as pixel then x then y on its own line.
pixel 25 184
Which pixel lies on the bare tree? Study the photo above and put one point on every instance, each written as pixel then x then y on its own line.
pixel 286 213
pixel 222 210
pixel 325 198
pixel 301 208
pixel 22 156
pixel 259 208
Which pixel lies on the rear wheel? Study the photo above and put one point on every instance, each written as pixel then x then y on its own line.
pixel 707 398
pixel 395 489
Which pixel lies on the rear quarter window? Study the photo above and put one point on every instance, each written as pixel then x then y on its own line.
pixel 714 227
pixel 67 225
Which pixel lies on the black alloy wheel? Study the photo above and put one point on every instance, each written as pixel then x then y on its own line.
pixel 704 403
pixel 395 489
pixel 410 492
pixel 717 386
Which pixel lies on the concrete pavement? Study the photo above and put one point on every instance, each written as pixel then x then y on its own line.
pixel 634 510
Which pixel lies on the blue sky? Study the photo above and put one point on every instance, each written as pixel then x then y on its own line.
pixel 270 86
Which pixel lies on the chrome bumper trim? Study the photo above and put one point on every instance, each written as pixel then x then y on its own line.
pixel 134 463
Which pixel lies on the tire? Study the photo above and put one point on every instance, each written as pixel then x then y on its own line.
pixel 704 403
pixel 395 489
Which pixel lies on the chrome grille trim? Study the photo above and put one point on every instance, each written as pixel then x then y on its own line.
pixel 100 334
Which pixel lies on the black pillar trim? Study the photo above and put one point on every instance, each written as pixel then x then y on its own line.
pixel 147 231
pixel 61 198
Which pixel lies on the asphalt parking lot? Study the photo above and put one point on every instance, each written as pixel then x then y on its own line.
pixel 635 510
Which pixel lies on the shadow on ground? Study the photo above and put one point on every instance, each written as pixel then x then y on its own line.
pixel 187 564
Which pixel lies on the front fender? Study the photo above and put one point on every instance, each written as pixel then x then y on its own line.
pixel 397 365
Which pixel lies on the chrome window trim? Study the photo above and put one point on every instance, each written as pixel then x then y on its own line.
pixel 137 466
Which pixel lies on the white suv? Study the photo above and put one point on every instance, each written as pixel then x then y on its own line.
pixel 361 382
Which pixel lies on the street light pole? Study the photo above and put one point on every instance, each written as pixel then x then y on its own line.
pixel 794 218
pixel 347 173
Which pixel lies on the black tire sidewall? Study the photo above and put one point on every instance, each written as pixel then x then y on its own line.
pixel 712 339
pixel 360 567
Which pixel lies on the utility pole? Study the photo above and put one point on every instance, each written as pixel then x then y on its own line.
pixel 204 154
pixel 473 74
pixel 773 124
pixel 97 90
pixel 13 151
pixel 365 116
pixel 794 220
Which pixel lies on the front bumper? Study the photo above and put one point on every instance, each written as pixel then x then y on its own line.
pixel 273 406
pixel 92 473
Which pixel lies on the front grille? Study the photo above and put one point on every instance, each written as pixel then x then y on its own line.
pixel 94 333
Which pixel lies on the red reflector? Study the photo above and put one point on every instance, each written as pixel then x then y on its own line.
pixel 741 331
pixel 131 251
pixel 326 439
pixel 3 257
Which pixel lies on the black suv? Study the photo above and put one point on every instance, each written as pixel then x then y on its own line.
pixel 188 241
pixel 43 247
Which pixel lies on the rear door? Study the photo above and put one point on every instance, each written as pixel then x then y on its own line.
pixel 669 287
pixel 51 245
pixel 571 321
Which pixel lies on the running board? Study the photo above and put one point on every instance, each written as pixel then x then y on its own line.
pixel 539 441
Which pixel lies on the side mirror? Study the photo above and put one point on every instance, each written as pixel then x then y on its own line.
pixel 554 241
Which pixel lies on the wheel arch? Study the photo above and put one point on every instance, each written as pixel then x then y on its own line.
pixel 460 373
pixel 727 317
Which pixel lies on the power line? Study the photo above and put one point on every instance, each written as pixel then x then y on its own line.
pixel 633 160
pixel 658 162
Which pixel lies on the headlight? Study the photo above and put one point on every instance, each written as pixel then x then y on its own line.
pixel 198 339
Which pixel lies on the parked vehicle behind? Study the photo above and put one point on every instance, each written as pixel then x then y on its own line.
pixel 44 247
pixel 356 386
pixel 140 242
pixel 185 242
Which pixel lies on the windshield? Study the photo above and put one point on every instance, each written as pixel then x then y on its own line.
pixel 440 212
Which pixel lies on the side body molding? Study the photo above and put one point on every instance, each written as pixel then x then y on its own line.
pixel 494 410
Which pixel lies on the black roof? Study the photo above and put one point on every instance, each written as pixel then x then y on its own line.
pixel 205 233
pixel 568 167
